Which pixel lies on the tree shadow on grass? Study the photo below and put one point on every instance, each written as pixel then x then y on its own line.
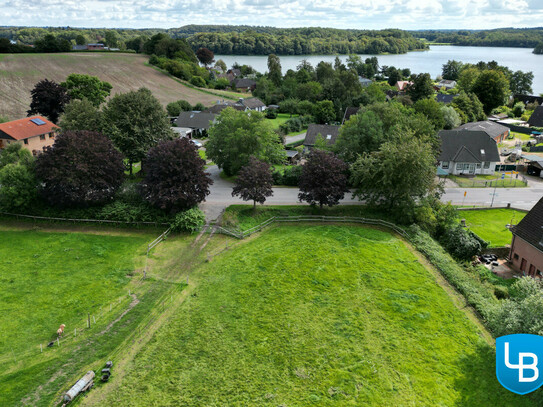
pixel 479 385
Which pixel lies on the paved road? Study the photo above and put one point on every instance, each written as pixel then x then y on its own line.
pixel 297 137
pixel 525 198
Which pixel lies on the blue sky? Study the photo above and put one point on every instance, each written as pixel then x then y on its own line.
pixel 362 14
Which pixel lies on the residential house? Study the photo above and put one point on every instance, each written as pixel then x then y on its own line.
pixel 33 133
pixel 402 85
pixel 466 152
pixel 445 99
pixel 364 81
pixel 96 47
pixel 199 122
pixel 235 71
pixel 447 84
pixel 350 111
pixel 253 104
pixel 528 99
pixel 79 47
pixel 229 76
pixel 494 130
pixel 536 119
pixel 244 84
pixel 327 131
pixel 221 105
pixel 526 254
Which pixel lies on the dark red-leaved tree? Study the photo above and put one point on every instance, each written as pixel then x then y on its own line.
pixel 205 56
pixel 254 182
pixel 323 180
pixel 48 99
pixel 174 176
pixel 82 168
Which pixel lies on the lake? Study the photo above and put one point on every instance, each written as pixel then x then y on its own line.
pixel 430 61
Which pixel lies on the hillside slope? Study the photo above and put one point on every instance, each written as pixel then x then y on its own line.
pixel 20 72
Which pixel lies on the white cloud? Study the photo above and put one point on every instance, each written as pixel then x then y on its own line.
pixel 364 14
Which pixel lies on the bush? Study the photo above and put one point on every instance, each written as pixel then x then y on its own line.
pixel 501 292
pixel 271 114
pixel 476 294
pixel 291 176
pixel 460 243
pixel 198 81
pixel 190 220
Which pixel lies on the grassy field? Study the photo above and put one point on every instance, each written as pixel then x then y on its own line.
pixel 521 136
pixel 326 315
pixel 280 119
pixel 479 181
pixel 489 224
pixel 57 275
pixel 20 72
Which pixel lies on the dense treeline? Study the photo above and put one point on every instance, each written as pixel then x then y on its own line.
pixel 501 37
pixel 305 41
pixel 236 40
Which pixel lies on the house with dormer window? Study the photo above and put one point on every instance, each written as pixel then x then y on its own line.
pixel 466 152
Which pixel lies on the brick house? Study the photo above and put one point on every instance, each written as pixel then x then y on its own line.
pixel 33 133
pixel 526 253
pixel 494 130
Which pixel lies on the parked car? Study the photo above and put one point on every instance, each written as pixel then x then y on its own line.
pixel 197 143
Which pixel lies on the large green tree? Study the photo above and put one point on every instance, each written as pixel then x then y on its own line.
pixel 274 69
pixel 18 185
pixel 421 88
pixel 396 176
pixel 236 136
pixel 136 121
pixel 82 86
pixel 362 133
pixel 324 112
pixel 81 115
pixel 431 109
pixel 451 70
pixel 492 89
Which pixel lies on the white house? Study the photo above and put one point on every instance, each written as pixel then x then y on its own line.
pixel 465 152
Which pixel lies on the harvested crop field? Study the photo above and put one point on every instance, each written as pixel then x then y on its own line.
pixel 20 72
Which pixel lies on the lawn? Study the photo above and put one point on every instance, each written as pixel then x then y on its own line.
pixel 521 136
pixel 480 181
pixel 326 315
pixel 57 276
pixel 489 224
pixel 54 278
pixel 280 119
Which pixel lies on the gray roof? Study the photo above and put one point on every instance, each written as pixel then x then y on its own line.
pixel 253 103
pixel 530 228
pixel 491 128
pixel 327 131
pixel 349 112
pixel 467 146
pixel 218 108
pixel 442 98
pixel 291 153
pixel 244 83
pixel 536 119
pixel 195 120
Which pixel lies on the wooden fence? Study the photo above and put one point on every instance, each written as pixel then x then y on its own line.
pixel 99 221
pixel 311 218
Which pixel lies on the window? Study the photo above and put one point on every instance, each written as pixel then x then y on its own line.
pixel 486 165
pixel 51 135
pixel 42 137
pixel 458 166
pixel 445 165
pixel 515 256
pixel 25 141
pixel 466 166
pixel 478 166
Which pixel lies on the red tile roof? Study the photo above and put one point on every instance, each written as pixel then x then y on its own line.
pixel 24 128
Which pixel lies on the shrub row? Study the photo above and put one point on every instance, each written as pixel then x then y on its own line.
pixel 296 124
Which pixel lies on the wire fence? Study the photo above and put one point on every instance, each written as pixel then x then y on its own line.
pixel 75 220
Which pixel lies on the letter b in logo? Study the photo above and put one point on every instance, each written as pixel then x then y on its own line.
pixel 517 362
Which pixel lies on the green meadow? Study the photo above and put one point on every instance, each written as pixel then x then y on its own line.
pixel 490 224
pixel 320 315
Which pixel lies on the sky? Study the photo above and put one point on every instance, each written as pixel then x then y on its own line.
pixel 359 14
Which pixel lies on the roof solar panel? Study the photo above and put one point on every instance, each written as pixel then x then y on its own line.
pixel 39 122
